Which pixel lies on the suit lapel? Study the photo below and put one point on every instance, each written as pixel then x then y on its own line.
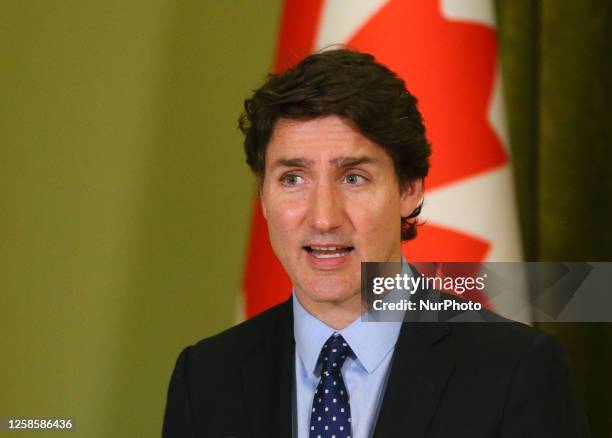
pixel 267 379
pixel 416 381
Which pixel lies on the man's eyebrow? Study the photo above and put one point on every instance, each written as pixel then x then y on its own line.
pixel 353 161
pixel 343 161
pixel 291 162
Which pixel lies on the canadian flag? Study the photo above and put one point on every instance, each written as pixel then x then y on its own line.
pixel 446 52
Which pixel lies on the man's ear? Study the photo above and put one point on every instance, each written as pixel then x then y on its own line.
pixel 411 195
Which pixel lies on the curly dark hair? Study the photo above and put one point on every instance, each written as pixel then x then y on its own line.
pixel 352 85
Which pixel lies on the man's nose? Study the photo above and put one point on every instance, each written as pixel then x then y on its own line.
pixel 326 207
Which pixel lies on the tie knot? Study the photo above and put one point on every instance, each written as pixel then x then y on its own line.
pixel 334 353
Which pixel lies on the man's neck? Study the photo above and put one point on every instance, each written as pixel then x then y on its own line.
pixel 336 315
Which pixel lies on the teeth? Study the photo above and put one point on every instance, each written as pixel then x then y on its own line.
pixel 325 248
pixel 330 256
pixel 329 252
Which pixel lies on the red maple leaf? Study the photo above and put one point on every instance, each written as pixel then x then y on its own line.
pixel 450 67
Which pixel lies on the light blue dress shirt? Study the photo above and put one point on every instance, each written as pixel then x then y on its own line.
pixel 365 375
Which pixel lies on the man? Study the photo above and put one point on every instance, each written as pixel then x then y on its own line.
pixel 340 152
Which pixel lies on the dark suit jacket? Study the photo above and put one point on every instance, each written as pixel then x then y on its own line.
pixel 454 380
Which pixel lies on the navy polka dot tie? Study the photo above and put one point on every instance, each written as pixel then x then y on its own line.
pixel 331 412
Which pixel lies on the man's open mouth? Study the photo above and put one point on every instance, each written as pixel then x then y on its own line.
pixel 328 252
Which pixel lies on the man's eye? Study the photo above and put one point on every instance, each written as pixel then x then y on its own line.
pixel 354 179
pixel 291 179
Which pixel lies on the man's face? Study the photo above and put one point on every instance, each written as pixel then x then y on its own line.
pixel 332 200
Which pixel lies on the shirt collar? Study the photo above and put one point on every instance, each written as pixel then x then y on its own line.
pixel 370 341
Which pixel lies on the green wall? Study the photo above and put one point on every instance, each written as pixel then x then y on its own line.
pixel 121 183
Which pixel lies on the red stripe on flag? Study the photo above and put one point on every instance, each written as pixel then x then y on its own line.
pixel 299 26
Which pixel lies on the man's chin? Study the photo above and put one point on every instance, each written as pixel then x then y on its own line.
pixel 330 295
